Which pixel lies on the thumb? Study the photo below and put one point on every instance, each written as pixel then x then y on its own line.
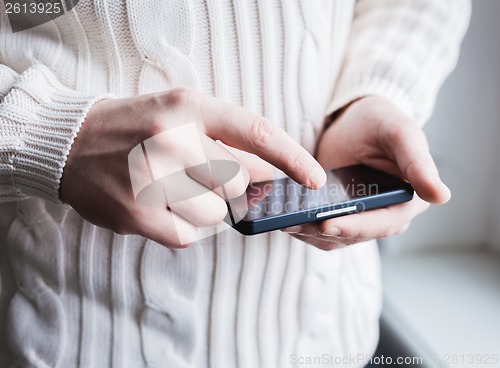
pixel 411 151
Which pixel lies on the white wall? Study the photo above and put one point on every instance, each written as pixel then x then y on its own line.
pixel 464 134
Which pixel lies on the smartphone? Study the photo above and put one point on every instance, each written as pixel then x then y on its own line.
pixel 280 203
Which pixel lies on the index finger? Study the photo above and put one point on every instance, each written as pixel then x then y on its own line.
pixel 251 132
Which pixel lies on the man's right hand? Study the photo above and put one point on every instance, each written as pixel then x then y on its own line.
pixel 96 180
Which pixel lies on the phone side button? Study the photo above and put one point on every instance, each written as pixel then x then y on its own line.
pixel 337 211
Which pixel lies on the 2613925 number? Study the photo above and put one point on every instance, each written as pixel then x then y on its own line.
pixel 33 8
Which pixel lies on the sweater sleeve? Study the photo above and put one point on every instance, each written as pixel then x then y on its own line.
pixel 39 120
pixel 401 50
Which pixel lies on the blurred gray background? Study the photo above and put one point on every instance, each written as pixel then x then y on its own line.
pixel 464 134
pixel 442 277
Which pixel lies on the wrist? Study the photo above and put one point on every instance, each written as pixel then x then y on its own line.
pixel 46 117
pixel 330 119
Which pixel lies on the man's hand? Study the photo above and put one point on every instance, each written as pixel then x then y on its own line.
pixel 374 132
pixel 96 180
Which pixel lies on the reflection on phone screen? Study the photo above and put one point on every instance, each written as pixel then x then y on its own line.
pixel 272 198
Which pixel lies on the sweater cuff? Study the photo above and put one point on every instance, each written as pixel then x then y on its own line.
pixel 351 88
pixel 46 117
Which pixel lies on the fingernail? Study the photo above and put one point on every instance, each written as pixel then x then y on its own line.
pixel 333 231
pixel 447 190
pixel 317 178
pixel 293 229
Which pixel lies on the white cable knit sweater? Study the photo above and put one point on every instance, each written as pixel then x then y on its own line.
pixel 75 295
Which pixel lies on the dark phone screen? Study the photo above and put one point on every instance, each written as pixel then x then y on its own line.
pixel 281 196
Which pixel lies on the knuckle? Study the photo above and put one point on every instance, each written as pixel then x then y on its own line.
pixel 297 158
pixel 155 126
pixel 397 133
pixel 416 164
pixel 179 96
pixel 403 134
pixel 261 130
pixel 171 100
